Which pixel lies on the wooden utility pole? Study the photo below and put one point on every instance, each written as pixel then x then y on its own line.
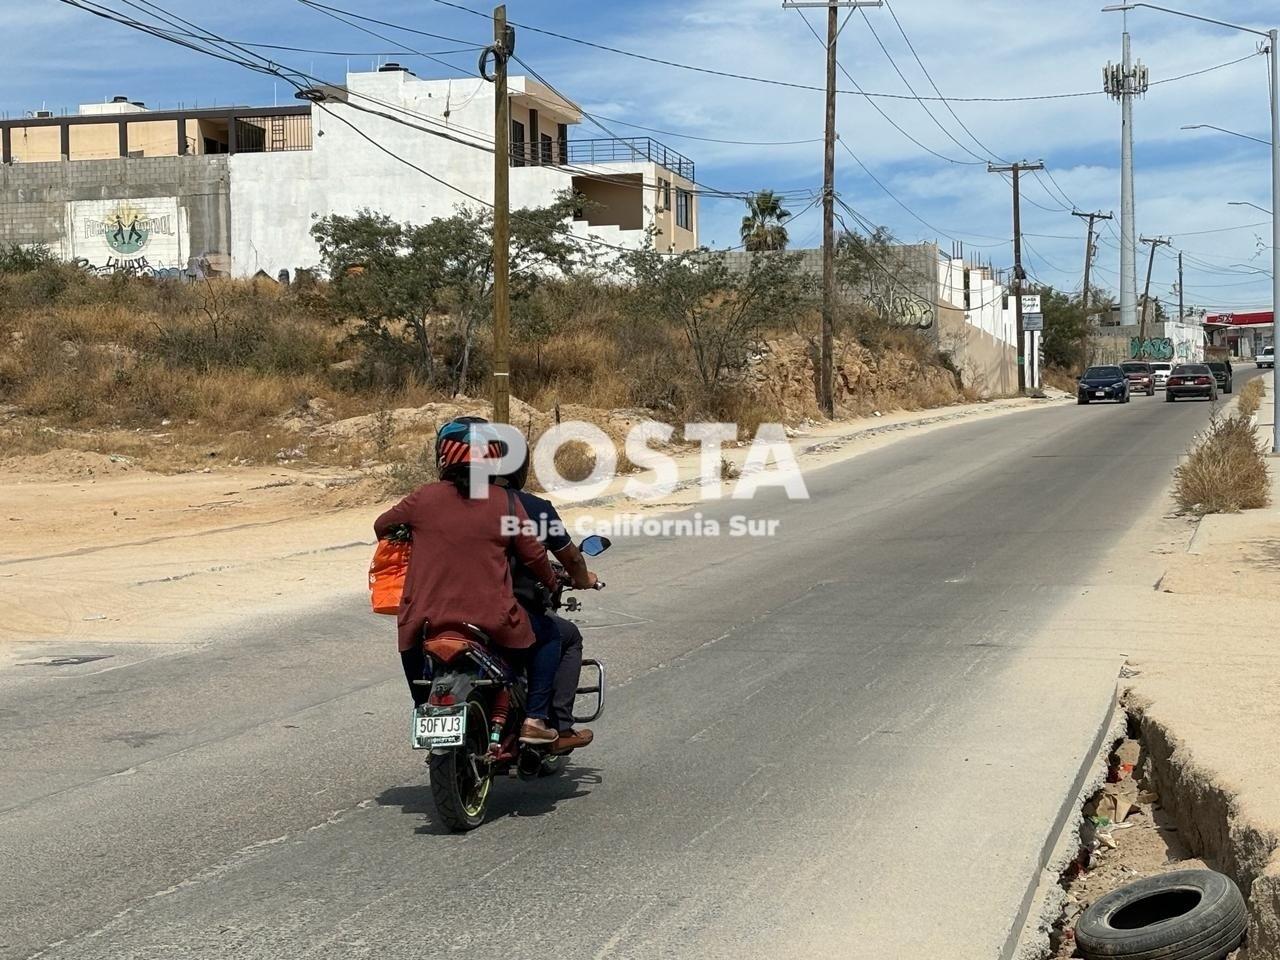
pixel 1018 273
pixel 503 47
pixel 1089 250
pixel 1155 242
pixel 826 373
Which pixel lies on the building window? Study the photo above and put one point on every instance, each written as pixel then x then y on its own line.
pixel 547 147
pixel 562 134
pixel 664 194
pixel 518 156
pixel 684 209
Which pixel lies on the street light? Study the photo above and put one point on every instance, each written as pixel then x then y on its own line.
pixel 1242 136
pixel 1246 203
pixel 1273 43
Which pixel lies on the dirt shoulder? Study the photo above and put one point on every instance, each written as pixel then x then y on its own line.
pixel 97 550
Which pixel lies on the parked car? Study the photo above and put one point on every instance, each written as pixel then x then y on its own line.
pixel 1161 371
pixel 1191 380
pixel 1267 358
pixel 1142 379
pixel 1103 383
pixel 1221 373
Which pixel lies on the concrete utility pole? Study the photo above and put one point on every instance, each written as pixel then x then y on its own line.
pixel 826 375
pixel 1090 250
pixel 1123 82
pixel 1018 273
pixel 504 42
pixel 1156 242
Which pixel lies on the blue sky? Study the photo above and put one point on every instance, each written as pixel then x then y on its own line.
pixel 1185 180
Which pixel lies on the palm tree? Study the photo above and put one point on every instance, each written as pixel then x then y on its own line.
pixel 762 227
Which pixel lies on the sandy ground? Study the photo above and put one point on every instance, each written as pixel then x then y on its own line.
pixel 1199 602
pixel 97 551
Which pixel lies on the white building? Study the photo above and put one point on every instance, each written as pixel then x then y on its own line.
pixel 238 189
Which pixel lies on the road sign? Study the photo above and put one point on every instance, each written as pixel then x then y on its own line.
pixel 1033 321
pixel 1031 304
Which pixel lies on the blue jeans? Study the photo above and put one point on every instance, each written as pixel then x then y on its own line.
pixel 542 660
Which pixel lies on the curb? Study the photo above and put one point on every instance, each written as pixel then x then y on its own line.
pixel 1029 936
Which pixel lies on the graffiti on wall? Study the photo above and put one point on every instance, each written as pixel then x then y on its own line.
pixel 1152 348
pixel 897 304
pixel 136 237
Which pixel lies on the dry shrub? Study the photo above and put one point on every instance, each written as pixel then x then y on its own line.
pixel 1251 397
pixel 1225 473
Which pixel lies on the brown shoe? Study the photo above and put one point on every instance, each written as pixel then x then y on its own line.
pixel 572 740
pixel 536 733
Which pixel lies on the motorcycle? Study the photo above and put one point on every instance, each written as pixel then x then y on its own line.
pixel 472 718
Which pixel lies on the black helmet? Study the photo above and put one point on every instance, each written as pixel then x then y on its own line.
pixel 517 478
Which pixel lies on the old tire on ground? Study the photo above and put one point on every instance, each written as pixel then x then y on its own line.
pixel 1186 915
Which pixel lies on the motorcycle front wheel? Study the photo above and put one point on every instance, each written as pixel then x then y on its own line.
pixel 460 777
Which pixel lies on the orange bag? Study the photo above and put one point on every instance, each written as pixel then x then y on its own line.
pixel 386 575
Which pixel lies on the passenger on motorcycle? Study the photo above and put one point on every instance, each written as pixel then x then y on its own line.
pixel 459 573
pixel 536 601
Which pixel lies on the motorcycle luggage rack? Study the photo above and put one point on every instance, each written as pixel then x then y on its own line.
pixel 597 690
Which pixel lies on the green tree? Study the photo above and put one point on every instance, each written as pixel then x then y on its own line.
pixel 400 280
pixel 762 227
pixel 1064 328
pixel 720 311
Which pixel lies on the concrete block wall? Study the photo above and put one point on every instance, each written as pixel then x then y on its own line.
pixel 34 196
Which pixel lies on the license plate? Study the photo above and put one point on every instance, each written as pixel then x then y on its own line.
pixel 1101 393
pixel 439 727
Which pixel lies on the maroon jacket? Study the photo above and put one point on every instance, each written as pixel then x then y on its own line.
pixel 458 569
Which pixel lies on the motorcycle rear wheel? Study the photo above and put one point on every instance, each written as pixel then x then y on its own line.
pixel 460 779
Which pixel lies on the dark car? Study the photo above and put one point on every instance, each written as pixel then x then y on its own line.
pixel 1191 380
pixel 1222 373
pixel 1103 383
pixel 1142 379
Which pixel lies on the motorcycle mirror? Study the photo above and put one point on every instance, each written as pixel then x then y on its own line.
pixel 595 545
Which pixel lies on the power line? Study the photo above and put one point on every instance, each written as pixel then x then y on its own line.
pixel 275 71
pixel 893 196
pixel 923 106
pixel 928 76
pixel 875 106
pixel 804 86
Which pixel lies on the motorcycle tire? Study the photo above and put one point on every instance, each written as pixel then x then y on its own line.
pixel 1185 915
pixel 462 798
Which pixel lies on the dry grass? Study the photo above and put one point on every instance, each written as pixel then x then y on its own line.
pixel 1225 473
pixel 1251 397
pixel 182 375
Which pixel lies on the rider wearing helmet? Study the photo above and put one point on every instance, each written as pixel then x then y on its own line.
pixel 459 573
pixel 554 537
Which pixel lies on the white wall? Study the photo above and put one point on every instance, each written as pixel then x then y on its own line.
pixel 277 197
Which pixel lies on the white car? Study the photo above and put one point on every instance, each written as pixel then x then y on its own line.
pixel 1267 358
pixel 1161 370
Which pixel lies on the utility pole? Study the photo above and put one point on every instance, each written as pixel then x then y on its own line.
pixel 1182 300
pixel 1090 250
pixel 504 44
pixel 1123 82
pixel 826 375
pixel 1018 273
pixel 1156 242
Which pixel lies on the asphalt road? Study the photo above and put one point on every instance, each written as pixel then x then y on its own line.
pixel 849 740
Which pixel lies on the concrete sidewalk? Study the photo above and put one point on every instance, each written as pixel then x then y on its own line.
pixel 1205 689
